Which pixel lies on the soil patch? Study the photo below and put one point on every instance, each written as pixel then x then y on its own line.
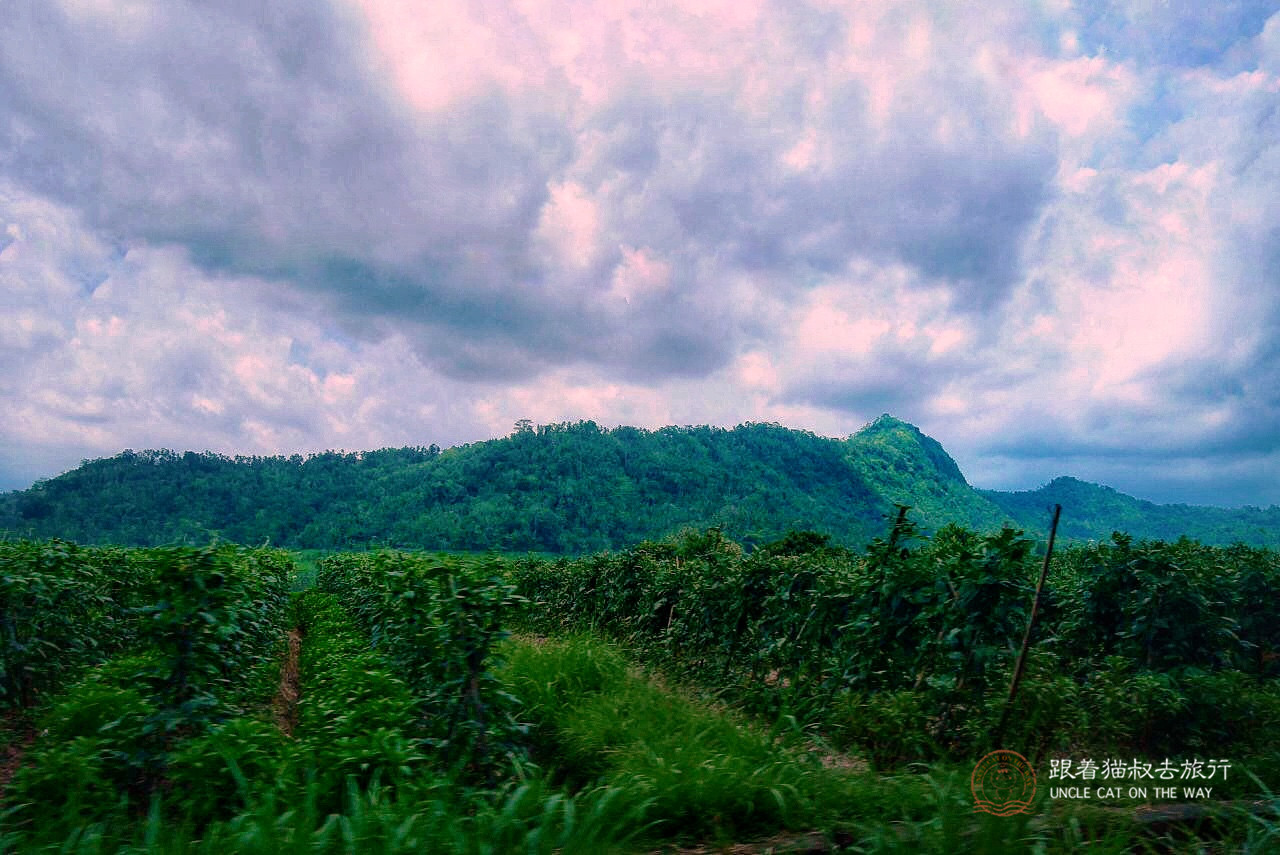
pixel 792 844
pixel 284 707
pixel 16 736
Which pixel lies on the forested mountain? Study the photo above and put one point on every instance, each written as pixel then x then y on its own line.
pixel 556 488
pixel 1095 508
pixel 572 488
pixel 908 468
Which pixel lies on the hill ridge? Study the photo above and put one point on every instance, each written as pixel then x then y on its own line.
pixel 575 487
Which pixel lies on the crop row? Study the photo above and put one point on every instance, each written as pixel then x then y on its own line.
pixel 197 640
pixel 360 769
pixel 439 620
pixel 907 650
pixel 63 607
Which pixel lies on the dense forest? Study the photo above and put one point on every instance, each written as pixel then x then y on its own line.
pixel 576 488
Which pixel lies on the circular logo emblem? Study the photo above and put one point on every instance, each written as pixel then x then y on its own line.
pixel 1003 783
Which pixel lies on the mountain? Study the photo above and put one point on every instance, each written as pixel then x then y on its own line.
pixel 1095 510
pixel 572 488
pixel 560 488
pixel 909 468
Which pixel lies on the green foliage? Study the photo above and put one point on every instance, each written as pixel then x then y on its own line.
pixel 1252 579
pixel 1091 512
pixel 221 612
pixel 703 771
pixel 211 617
pixel 907 467
pixel 577 488
pixel 439 621
pixel 890 726
pixel 95 758
pixel 409 737
pixel 361 772
pixel 225 770
pixel 1168 607
pixel 566 488
pixel 63 607
pixel 65 785
pixel 358 718
pixel 908 650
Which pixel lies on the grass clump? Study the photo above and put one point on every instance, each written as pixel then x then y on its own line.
pixel 705 772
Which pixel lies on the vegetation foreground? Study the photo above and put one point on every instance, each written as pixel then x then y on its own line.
pixel 677 694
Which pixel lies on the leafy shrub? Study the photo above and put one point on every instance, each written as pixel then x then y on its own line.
pixel 935 626
pixel 440 623
pixel 892 727
pixel 225 770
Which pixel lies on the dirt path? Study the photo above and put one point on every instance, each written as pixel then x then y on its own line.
pixel 17 734
pixel 285 704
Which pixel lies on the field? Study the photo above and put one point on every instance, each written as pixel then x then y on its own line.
pixel 677 696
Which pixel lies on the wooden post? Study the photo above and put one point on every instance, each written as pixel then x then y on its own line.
pixel 893 542
pixel 897 524
pixel 1031 622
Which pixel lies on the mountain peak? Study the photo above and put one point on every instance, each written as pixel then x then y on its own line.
pixel 1066 483
pixel 902 436
pixel 886 422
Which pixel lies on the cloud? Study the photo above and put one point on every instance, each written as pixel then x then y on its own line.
pixel 1136 346
pixel 1046 233
pixel 1171 32
pixel 267 144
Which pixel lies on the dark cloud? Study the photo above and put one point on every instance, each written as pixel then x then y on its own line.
pixel 262 141
pixel 700 173
pixel 1201 412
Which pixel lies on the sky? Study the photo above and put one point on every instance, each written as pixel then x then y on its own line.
pixel 1047 233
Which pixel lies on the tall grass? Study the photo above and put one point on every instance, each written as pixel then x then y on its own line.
pixel 706 772
pixel 528 819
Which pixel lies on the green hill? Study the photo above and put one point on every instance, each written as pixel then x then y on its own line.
pixel 1091 511
pixel 909 468
pixel 573 488
pixel 560 488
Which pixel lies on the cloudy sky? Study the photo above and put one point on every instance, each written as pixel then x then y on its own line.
pixel 1046 233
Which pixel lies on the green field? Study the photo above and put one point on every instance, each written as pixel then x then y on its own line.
pixel 681 695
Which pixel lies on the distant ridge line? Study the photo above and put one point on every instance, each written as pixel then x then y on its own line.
pixel 575 487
